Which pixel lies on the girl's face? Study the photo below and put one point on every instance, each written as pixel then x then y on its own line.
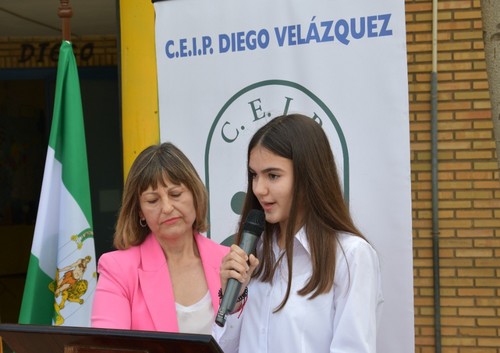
pixel 169 211
pixel 272 184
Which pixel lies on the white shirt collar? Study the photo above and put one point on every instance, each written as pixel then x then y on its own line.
pixel 301 236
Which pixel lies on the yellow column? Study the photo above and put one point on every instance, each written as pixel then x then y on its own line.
pixel 140 119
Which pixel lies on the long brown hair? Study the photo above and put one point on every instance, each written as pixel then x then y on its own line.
pixel 317 204
pixel 151 167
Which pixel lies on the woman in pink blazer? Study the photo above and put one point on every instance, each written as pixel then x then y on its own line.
pixel 165 274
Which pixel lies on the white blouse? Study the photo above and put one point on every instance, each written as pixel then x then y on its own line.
pixel 196 318
pixel 343 320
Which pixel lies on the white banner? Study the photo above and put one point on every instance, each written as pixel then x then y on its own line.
pixel 225 67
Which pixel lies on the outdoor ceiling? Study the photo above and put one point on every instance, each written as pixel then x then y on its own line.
pixel 28 18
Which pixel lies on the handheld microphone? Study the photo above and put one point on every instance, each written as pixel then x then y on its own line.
pixel 252 229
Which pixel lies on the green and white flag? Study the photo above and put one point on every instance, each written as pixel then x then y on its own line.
pixel 61 276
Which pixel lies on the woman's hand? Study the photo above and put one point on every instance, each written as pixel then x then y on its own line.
pixel 238 265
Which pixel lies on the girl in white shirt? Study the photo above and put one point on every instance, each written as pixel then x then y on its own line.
pixel 314 284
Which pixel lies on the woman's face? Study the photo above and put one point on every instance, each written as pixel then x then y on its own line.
pixel 169 210
pixel 272 184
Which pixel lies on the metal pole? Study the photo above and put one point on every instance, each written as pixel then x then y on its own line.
pixel 435 188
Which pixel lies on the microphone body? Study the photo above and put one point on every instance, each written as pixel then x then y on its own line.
pixel 252 229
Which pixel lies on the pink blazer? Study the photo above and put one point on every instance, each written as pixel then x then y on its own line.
pixel 134 289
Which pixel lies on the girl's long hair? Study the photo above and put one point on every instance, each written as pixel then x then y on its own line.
pixel 317 204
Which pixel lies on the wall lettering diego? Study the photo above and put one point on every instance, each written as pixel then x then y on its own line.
pixel 43 50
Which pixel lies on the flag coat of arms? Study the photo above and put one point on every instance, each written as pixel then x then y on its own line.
pixel 61 275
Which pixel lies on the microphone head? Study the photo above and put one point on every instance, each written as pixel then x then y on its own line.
pixel 255 222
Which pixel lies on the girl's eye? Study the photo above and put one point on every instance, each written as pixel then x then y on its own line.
pixel 273 176
pixel 252 175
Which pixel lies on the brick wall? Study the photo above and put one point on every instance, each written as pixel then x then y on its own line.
pixel 42 52
pixel 469 181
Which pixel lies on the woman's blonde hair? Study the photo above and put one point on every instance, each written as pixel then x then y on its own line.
pixel 152 167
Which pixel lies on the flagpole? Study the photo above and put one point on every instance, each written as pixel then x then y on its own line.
pixel 61 276
pixel 65 13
